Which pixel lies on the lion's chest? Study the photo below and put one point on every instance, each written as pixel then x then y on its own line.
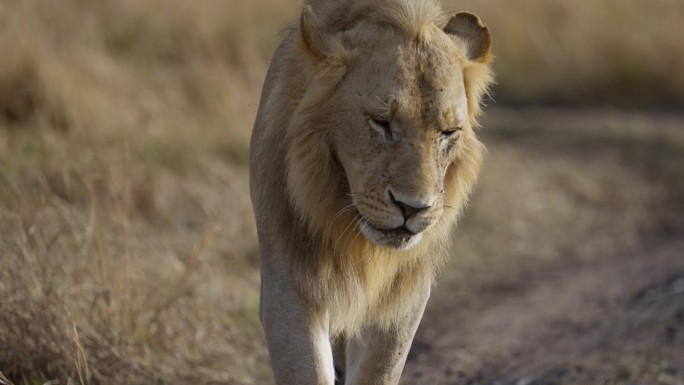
pixel 378 279
pixel 367 297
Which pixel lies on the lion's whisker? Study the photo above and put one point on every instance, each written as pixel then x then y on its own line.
pixel 356 228
pixel 354 223
pixel 358 231
pixel 342 211
pixel 349 225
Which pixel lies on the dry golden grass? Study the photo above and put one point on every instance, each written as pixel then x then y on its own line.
pixel 127 245
pixel 586 52
pixel 128 248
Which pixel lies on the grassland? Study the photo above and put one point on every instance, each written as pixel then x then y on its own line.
pixel 127 246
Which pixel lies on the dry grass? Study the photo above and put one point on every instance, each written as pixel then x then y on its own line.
pixel 127 240
pixel 588 52
pixel 127 245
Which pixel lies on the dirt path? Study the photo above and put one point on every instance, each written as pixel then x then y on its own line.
pixel 612 320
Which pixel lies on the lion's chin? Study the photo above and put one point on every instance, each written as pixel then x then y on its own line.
pixel 396 239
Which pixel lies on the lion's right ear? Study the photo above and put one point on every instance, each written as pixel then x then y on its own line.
pixel 313 34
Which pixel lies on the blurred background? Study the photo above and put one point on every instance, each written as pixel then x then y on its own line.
pixel 127 245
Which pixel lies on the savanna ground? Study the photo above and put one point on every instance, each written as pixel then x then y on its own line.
pixel 127 246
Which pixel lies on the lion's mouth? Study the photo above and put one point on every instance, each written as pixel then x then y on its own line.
pixel 398 232
pixel 398 238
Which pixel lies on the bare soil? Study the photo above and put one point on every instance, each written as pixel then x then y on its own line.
pixel 606 321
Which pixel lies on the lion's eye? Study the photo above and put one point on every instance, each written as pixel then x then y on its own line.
pixel 450 133
pixel 382 125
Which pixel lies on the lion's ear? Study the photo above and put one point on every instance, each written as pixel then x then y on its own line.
pixel 474 35
pixel 313 34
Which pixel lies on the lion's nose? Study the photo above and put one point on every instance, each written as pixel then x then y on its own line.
pixel 409 208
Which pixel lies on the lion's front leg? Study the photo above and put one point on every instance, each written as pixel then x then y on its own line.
pixel 296 334
pixel 377 356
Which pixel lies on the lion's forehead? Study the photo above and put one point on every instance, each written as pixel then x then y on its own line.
pixel 424 79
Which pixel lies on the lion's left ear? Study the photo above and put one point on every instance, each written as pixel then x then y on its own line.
pixel 474 35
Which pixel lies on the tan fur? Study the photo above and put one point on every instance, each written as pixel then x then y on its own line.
pixel 323 172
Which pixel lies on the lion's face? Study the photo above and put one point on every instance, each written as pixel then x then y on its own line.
pixel 405 126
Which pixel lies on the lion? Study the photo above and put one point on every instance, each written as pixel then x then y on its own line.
pixel 362 157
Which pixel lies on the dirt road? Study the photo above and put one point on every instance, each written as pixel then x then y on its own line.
pixel 619 317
